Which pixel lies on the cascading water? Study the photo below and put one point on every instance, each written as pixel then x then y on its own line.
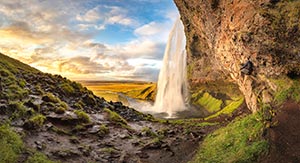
pixel 172 84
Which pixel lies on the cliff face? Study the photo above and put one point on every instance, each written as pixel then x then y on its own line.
pixel 222 34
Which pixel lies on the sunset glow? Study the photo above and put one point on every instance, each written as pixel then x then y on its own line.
pixel 88 40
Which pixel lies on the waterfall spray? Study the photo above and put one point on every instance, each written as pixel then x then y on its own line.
pixel 172 84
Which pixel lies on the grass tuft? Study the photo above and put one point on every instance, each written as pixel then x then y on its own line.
pixel 116 118
pixel 37 120
pixel 83 116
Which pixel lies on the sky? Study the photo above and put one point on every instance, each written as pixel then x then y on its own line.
pixel 88 39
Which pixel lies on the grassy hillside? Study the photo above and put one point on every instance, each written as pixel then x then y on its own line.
pixel 36 105
pixel 110 90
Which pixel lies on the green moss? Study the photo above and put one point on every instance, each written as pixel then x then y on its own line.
pixel 18 110
pixel 37 120
pixel 60 131
pixel 67 88
pixel 108 150
pixel 210 103
pixel 60 110
pixel 115 117
pixel 14 91
pixel 286 89
pixel 11 145
pixel 227 110
pixel 148 132
pixel 239 141
pixel 49 97
pixel 38 157
pixel 83 116
pixel 190 122
pixel 4 72
pixel 103 130
pixel 79 105
pixel 202 124
pixel 79 127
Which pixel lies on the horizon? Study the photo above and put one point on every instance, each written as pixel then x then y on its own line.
pixel 91 40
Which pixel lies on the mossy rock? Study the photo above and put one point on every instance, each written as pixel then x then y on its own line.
pixel 115 117
pixel 49 97
pixel 82 116
pixel 35 122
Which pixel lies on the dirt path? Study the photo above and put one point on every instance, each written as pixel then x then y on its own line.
pixel 285 137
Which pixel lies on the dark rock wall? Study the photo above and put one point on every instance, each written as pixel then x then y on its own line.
pixel 222 34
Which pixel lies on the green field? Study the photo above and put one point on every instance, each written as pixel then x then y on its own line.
pixel 111 90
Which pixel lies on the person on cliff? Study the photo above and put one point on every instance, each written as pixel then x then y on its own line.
pixel 247 68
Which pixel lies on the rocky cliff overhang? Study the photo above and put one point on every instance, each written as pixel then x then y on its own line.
pixel 222 34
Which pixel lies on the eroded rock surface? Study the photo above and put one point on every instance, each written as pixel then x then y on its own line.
pixel 222 34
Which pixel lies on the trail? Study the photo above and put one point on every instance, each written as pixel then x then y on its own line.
pixel 285 137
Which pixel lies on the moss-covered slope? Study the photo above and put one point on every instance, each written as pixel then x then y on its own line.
pixel 44 112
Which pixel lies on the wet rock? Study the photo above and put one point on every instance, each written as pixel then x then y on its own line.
pixel 19 122
pixel 88 99
pixel 171 132
pixel 123 136
pixel 3 108
pixel 100 159
pixel 67 116
pixel 32 105
pixel 74 140
pixel 141 154
pixel 66 153
pixel 86 150
pixel 154 145
pixel 94 130
pixel 123 157
pixel 40 145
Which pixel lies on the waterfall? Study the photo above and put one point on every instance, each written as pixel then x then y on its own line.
pixel 172 84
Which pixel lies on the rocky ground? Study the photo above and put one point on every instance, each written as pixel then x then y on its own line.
pixel 66 122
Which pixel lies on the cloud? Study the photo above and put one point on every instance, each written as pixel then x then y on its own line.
pixel 62 37
pixel 156 31
pixel 148 29
pixel 92 15
pixel 105 15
